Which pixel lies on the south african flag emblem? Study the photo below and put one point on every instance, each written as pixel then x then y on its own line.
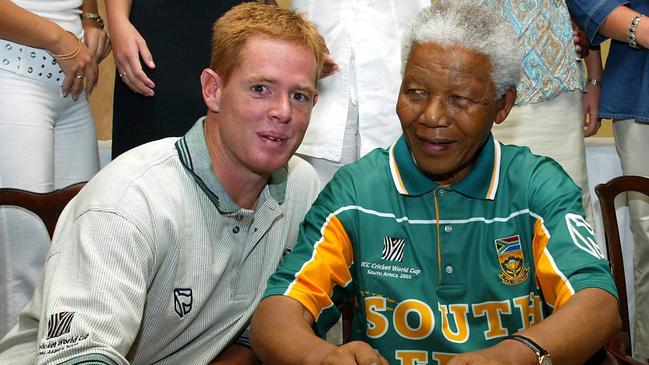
pixel 512 262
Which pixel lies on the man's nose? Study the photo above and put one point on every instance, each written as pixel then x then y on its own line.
pixel 281 108
pixel 436 113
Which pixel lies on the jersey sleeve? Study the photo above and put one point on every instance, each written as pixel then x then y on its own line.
pixel 93 290
pixel 566 255
pixel 317 269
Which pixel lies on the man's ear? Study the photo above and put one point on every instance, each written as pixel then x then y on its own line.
pixel 211 85
pixel 315 98
pixel 505 104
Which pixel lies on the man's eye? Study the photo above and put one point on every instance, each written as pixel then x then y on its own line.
pixel 419 95
pixel 415 91
pixel 259 88
pixel 300 97
pixel 461 100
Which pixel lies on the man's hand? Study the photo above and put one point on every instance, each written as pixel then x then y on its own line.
pixel 591 110
pixel 354 353
pixel 580 40
pixel 592 121
pixel 96 40
pixel 128 48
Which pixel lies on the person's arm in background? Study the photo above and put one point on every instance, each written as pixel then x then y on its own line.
pixel 618 22
pixel 24 27
pixel 593 61
pixel 591 96
pixel 610 19
pixel 128 48
pixel 95 37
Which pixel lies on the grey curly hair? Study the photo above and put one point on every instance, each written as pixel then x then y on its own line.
pixel 473 26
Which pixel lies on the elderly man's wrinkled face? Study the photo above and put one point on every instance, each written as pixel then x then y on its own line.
pixel 447 106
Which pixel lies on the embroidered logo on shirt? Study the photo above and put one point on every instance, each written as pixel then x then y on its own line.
pixel 182 301
pixel 393 249
pixel 582 235
pixel 512 262
pixel 59 324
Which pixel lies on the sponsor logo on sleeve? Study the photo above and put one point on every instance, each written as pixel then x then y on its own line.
pixel 182 301
pixel 582 235
pixel 512 262
pixel 59 324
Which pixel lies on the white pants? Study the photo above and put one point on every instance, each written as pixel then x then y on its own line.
pixel 46 142
pixel 554 128
pixel 632 144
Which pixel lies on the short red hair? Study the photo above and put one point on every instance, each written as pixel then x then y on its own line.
pixel 235 28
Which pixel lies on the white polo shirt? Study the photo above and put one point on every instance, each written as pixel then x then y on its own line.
pixel 153 262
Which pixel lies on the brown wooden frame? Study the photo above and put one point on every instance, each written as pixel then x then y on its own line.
pixel 620 346
pixel 47 206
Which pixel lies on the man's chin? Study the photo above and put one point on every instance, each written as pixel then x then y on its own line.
pixel 270 167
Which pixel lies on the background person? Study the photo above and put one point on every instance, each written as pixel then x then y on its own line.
pixel 625 92
pixel 160 47
pixel 49 51
pixel 355 113
pixel 550 108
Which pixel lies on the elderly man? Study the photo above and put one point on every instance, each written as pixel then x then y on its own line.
pixel 455 249
pixel 163 256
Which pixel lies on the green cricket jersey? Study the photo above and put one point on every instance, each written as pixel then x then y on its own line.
pixel 438 270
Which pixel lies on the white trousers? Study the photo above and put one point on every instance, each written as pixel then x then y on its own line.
pixel 47 141
pixel 632 144
pixel 554 128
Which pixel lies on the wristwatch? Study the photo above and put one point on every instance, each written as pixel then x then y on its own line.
pixel 542 354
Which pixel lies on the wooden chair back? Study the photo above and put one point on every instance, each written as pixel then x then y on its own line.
pixel 47 206
pixel 606 194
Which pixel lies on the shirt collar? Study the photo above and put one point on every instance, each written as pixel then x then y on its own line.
pixel 195 157
pixel 481 183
